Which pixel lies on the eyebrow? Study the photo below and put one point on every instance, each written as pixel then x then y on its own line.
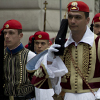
pixel 73 15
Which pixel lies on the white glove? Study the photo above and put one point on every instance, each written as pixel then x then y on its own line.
pixel 51 51
pixel 97 94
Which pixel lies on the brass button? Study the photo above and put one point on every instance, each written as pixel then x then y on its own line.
pixel 75 79
pixel 76 75
pixel 75 84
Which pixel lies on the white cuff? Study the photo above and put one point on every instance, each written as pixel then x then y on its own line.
pixel 97 94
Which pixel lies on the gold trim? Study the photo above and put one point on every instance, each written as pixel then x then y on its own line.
pixel 93 60
pixel 80 51
pixel 31 71
pixel 49 82
pixel 11 97
pixel 99 18
pixel 7 26
pixel 44 70
pixel 40 83
pixel 99 50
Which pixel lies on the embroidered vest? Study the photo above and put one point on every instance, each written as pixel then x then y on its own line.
pixel 88 60
pixel 16 78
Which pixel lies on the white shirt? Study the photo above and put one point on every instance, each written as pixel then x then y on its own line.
pixel 87 38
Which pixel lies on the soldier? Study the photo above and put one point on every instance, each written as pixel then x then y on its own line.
pixel 95 26
pixel 41 41
pixel 78 70
pixel 16 82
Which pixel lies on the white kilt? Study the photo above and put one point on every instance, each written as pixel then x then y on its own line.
pixel 79 96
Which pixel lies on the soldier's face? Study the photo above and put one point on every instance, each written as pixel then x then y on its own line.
pixel 12 38
pixel 40 45
pixel 96 28
pixel 77 21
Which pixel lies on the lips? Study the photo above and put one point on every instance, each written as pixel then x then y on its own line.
pixel 7 41
pixel 73 26
pixel 39 50
pixel 98 33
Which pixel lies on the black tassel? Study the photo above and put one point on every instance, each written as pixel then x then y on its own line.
pixel 91 27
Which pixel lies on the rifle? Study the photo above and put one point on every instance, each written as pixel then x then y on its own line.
pixel 61 36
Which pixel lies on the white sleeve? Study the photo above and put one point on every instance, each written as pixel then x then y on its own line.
pixel 56 69
pixel 97 94
pixel 56 84
pixel 30 55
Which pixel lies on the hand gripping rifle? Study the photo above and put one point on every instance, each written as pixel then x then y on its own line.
pixel 61 36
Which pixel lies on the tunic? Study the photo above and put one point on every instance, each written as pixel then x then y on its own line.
pixel 16 78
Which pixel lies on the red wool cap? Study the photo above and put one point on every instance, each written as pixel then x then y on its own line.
pixel 40 35
pixel 78 6
pixel 30 38
pixel 26 46
pixel 96 18
pixel 50 42
pixel 12 24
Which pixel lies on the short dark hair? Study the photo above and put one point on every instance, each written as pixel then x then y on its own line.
pixel 86 14
pixel 19 31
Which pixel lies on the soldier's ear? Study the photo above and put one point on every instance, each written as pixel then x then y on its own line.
pixel 21 35
pixel 88 20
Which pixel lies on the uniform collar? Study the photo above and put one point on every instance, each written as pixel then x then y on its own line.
pixel 88 38
pixel 17 49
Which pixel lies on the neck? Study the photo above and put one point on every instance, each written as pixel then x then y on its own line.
pixel 77 36
pixel 11 48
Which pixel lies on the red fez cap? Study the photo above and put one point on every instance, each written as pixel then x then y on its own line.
pixel 30 38
pixel 12 24
pixel 26 46
pixel 78 6
pixel 96 18
pixel 50 42
pixel 40 35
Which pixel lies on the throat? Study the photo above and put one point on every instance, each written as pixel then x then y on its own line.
pixel 77 37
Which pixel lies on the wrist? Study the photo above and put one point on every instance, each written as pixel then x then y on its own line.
pixel 50 59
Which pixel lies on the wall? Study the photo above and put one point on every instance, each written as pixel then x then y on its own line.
pixel 31 14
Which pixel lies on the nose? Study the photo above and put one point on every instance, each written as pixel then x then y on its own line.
pixel 73 20
pixel 39 45
pixel 6 35
pixel 99 29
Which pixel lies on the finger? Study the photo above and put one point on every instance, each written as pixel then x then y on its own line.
pixel 56 45
pixel 54 50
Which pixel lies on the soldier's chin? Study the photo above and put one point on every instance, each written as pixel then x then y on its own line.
pixel 98 33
